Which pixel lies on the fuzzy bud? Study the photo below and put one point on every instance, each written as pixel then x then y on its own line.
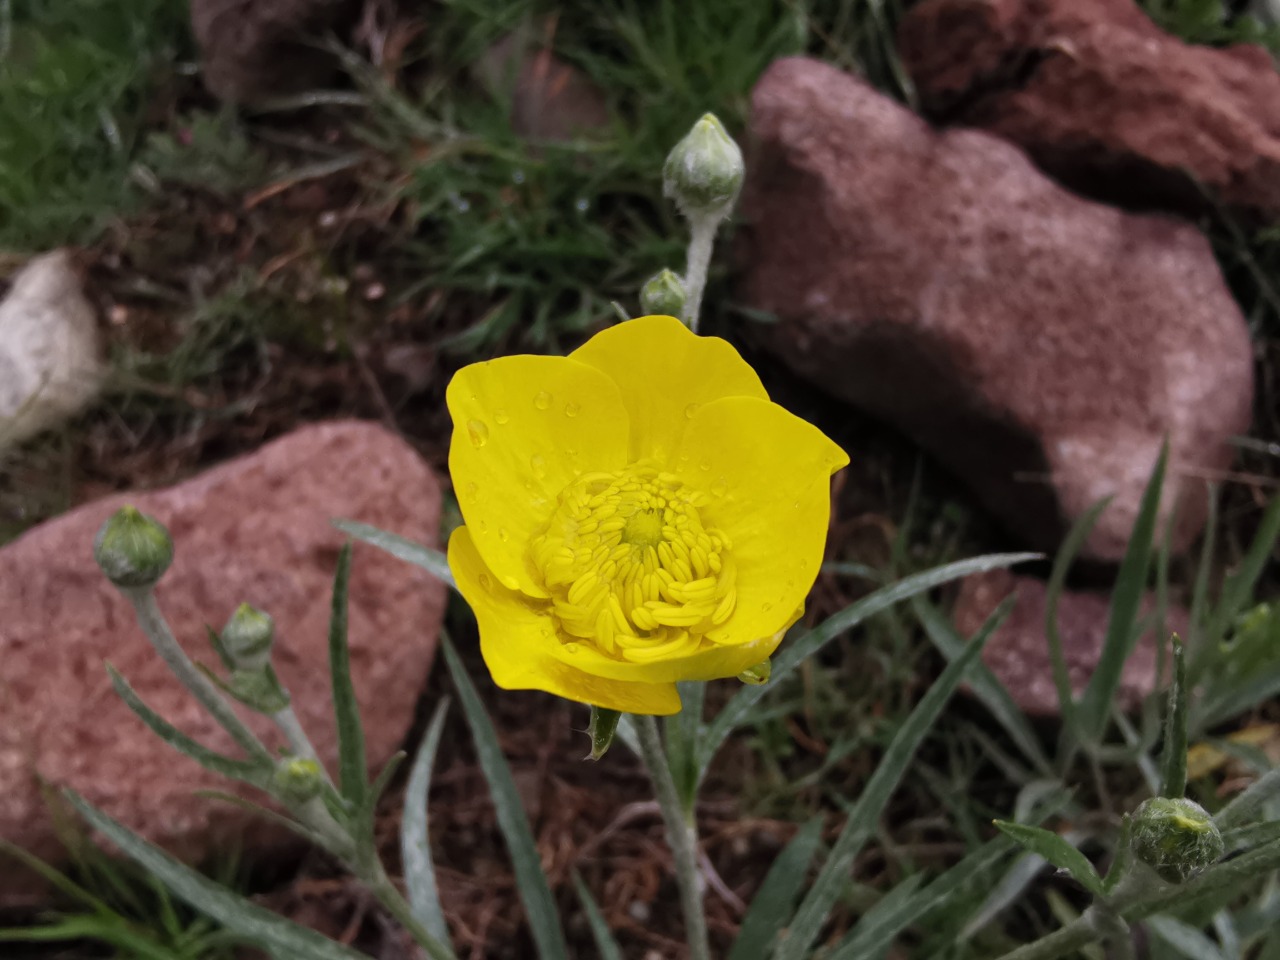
pixel 247 639
pixel 704 171
pixel 297 780
pixel 1175 837
pixel 663 294
pixel 132 549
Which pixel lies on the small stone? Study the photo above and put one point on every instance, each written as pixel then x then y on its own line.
pixel 550 99
pixel 1105 100
pixel 50 350
pixel 1040 345
pixel 1018 652
pixel 254 530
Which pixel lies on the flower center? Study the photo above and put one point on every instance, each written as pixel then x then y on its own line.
pixel 630 566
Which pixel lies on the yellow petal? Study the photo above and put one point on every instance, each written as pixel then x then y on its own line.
pixel 520 648
pixel 665 373
pixel 523 427
pixel 768 478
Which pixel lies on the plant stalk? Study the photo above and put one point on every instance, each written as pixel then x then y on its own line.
pixel 396 905
pixel 681 837
pixel 702 238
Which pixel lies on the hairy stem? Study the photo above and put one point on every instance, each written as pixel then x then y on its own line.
pixel 396 905
pixel 702 238
pixel 681 837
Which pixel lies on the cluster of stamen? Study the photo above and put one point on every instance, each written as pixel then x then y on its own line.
pixel 630 566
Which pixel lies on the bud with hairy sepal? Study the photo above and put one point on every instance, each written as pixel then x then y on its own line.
pixel 603 726
pixel 704 171
pixel 245 642
pixel 663 294
pixel 757 675
pixel 297 780
pixel 132 549
pixel 1176 837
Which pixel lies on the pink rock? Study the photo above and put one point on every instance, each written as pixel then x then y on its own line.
pixel 1040 345
pixel 253 530
pixel 1018 652
pixel 1104 99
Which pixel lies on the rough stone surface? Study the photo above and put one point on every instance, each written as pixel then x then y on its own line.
pixel 252 50
pixel 50 354
pixel 1104 99
pixel 1018 652
pixel 257 530
pixel 1040 345
pixel 550 99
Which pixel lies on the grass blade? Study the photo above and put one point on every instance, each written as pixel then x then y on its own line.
pixel 535 893
pixel 864 816
pixel 1249 804
pixel 776 898
pixel 606 946
pixel 244 917
pixel 1174 766
pixel 430 560
pixel 1050 846
pixel 739 708
pixel 352 775
pixel 1126 601
pixel 415 848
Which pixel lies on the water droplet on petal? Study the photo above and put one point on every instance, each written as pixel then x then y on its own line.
pixel 538 464
pixel 479 432
pixel 705 465
pixel 571 648
pixel 511 583
pixel 485 581
pixel 766 607
pixel 720 487
pixel 473 492
pixel 501 416
pixel 543 400
pixel 690 410
pixel 503 535
pixel 572 409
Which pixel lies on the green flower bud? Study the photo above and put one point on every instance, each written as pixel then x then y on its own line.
pixel 1175 837
pixel 604 724
pixel 247 639
pixel 132 549
pixel 297 780
pixel 663 293
pixel 757 675
pixel 703 173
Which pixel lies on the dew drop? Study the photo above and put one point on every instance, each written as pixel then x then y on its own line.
pixel 705 465
pixel 473 492
pixel 511 583
pixel 571 648
pixel 796 504
pixel 572 409
pixel 690 410
pixel 501 416
pixel 485 581
pixel 720 487
pixel 538 464
pixel 479 433
pixel 543 400
pixel 766 607
pixel 503 535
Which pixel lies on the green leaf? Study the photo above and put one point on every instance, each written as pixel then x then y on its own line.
pixel 363 829
pixel 1184 938
pixel 1126 602
pixel 985 685
pixel 243 770
pixel 1174 762
pixel 865 815
pixel 535 893
pixel 1249 804
pixel 776 898
pixel 1254 835
pixel 606 946
pixel 739 708
pixel 1238 589
pixel 266 813
pixel 1056 850
pixel 415 848
pixel 245 917
pixel 601 729
pixel 432 561
pixel 352 772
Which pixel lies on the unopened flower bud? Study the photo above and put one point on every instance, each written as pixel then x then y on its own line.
pixel 703 173
pixel 247 639
pixel 664 294
pixel 133 549
pixel 604 724
pixel 1175 837
pixel 757 675
pixel 298 779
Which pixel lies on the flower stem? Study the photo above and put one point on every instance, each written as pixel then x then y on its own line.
pixel 396 905
pixel 154 625
pixel 1060 943
pixel 299 742
pixel 702 237
pixel 681 837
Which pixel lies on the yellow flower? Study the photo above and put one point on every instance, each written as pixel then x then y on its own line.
pixel 637 513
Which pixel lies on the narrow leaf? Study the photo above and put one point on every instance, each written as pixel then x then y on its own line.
pixel 606 946
pixel 266 813
pixel 1239 587
pixel 1126 601
pixel 353 775
pixel 535 893
pixel 777 896
pixel 1254 835
pixel 1174 762
pixel 1249 804
pixel 432 561
pixel 601 730
pixel 246 918
pixel 415 847
pixel 1056 850
pixel 864 816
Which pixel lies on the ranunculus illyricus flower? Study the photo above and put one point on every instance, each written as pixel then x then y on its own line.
pixel 637 513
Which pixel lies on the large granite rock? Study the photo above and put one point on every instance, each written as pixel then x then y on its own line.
pixel 1040 345
pixel 1018 651
pixel 1104 99
pixel 50 350
pixel 257 530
